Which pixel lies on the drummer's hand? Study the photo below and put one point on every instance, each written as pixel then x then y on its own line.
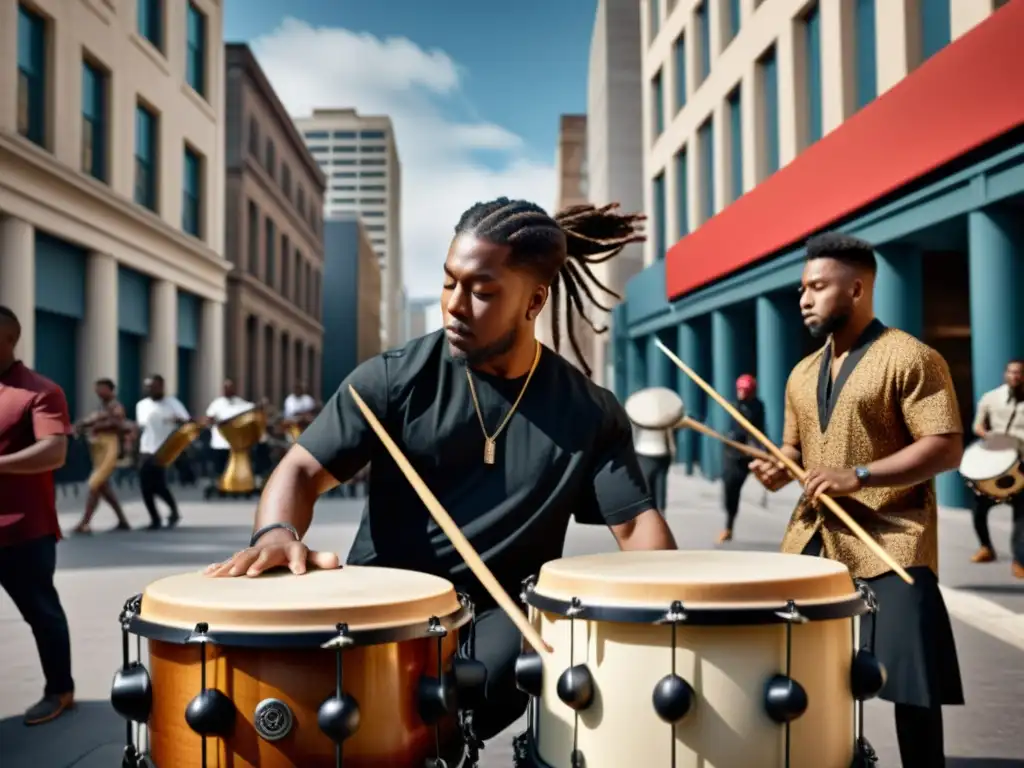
pixel 272 554
pixel 773 475
pixel 834 482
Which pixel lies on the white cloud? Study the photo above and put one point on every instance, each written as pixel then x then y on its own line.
pixel 330 67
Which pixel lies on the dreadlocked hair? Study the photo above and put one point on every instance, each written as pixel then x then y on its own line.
pixel 560 249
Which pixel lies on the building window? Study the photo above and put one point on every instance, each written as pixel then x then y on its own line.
pixel 660 224
pixel 192 193
pixel 313 135
pixel 31 75
pixel 195 65
pixel 812 43
pixel 286 180
pixel 270 234
pixel 732 20
pixel 770 115
pixel 372 134
pixel 657 106
pixel 254 137
pixel 344 135
pixel 285 265
pixel 866 65
pixel 151 21
pixel 935 24
pixel 270 158
pixel 372 174
pixel 683 192
pixel 704 29
pixel 373 148
pixel 654 8
pixel 302 201
pixel 679 50
pixel 254 238
pixel 145 157
pixel 706 142
pixel 374 161
pixel 735 144
pixel 94 121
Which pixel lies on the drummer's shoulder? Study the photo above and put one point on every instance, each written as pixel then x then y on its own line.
pixel 396 364
pixel 911 354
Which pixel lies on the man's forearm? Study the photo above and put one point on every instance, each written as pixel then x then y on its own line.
pixel 42 456
pixel 646 531
pixel 920 461
pixel 288 497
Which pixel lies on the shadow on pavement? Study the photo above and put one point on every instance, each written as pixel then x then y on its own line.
pixel 95 729
pixel 182 546
pixel 983 762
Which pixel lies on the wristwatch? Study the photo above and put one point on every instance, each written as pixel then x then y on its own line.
pixel 863 475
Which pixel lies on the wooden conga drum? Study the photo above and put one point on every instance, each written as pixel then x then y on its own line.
pixel 693 659
pixel 354 667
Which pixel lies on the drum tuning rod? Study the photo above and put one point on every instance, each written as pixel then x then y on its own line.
pixel 687 423
pixel 794 469
pixel 451 529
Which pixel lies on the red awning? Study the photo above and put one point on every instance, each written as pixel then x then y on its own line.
pixel 967 94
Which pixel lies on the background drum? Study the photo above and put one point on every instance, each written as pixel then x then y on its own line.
pixel 689 659
pixel 652 411
pixel 992 467
pixel 352 667
pixel 176 443
pixel 242 432
pixel 103 450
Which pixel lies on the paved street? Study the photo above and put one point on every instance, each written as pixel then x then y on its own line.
pixel 97 574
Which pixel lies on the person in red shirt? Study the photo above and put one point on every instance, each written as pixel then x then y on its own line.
pixel 34 429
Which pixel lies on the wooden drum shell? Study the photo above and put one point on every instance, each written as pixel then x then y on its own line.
pixel 382 679
pixel 727 668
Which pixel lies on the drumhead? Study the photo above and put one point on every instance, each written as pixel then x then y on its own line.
pixel 363 597
pixel 990 457
pixel 654 408
pixel 700 578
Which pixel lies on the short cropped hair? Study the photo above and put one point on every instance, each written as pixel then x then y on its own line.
pixel 7 317
pixel 845 248
pixel 106 383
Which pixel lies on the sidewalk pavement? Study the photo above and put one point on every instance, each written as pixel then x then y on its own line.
pixel 96 574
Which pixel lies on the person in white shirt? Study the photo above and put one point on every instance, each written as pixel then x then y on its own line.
pixel 157 416
pixel 300 406
pixel 222 408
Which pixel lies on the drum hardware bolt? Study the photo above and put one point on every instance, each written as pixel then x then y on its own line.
pixel 210 713
pixel 434 694
pixel 338 715
pixel 528 585
pixel 435 627
pixel 673 697
pixel 343 639
pixel 868 595
pixel 792 614
pixel 864 754
pixel 675 614
pixel 272 719
pixel 530 673
pixel 575 608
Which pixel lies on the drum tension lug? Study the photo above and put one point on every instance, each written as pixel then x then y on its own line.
pixel 676 614
pixel 528 585
pixel 792 614
pixel 338 715
pixel 210 713
pixel 434 694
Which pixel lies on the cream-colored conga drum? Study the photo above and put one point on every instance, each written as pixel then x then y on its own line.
pixel 696 660
pixel 653 411
pixel 992 467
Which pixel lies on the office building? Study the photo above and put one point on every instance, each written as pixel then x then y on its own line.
pixel 614 150
pixel 351 298
pixel 112 194
pixel 570 175
pixel 898 122
pixel 424 316
pixel 274 209
pixel 359 157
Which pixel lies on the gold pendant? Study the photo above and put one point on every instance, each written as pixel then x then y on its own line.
pixel 489 449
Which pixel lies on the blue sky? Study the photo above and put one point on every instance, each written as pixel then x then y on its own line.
pixel 475 88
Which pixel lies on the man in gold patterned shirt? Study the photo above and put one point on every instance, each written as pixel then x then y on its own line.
pixel 873 417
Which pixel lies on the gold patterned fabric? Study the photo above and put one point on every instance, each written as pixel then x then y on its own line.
pixel 891 390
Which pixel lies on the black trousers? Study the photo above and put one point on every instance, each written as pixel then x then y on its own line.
pixel 982 506
pixel 655 469
pixel 26 574
pixel 734 474
pixel 497 645
pixel 153 483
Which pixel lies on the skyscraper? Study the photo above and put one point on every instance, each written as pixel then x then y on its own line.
pixel 358 155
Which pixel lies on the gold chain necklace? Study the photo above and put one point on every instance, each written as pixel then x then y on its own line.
pixel 490 449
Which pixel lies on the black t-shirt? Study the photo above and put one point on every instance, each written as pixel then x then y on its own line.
pixel 566 452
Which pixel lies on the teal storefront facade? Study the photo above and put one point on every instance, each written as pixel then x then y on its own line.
pixel 189 307
pixel 950 250
pixel 133 289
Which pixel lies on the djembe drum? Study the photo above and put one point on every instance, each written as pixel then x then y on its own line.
pixel 354 667
pixel 176 443
pixel 103 451
pixel 689 659
pixel 242 432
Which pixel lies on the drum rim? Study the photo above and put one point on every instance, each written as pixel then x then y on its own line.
pixel 695 614
pixel 133 623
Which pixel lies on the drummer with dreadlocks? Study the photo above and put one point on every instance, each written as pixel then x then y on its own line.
pixel 511 438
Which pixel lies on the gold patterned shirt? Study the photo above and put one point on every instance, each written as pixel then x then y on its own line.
pixel 891 390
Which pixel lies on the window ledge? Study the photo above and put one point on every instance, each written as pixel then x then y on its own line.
pixel 151 52
pixel 200 102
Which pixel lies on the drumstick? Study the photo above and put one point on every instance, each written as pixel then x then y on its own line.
pixel 794 469
pixel 687 423
pixel 458 539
